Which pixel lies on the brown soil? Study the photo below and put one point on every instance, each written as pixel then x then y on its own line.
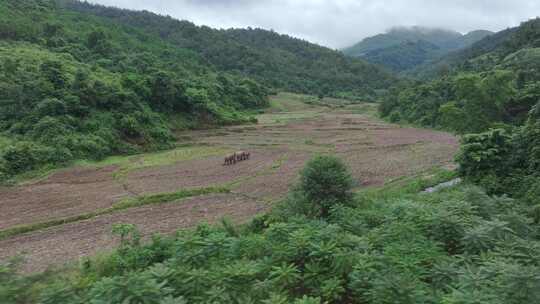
pixel 70 242
pixel 376 152
pixel 66 193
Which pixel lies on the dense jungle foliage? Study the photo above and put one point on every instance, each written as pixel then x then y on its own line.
pixel 392 245
pixel 498 86
pixel 79 86
pixel 494 91
pixel 278 61
pixel 506 161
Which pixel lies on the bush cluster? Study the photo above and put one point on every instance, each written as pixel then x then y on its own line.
pixel 505 162
pixel 456 246
pixel 325 183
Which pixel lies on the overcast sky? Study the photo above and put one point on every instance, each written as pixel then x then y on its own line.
pixel 340 23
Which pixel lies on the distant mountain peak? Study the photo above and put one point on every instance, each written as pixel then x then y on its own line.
pixel 420 29
pixel 407 45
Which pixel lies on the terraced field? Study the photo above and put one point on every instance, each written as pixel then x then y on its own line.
pixel 69 214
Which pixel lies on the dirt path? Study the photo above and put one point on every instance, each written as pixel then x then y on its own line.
pixel 280 145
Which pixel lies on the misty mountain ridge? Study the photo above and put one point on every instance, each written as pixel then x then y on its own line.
pixel 272 59
pixel 384 49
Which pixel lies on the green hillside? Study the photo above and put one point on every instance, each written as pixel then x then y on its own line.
pixel 399 35
pixel 278 61
pixel 455 59
pixel 473 37
pixel 493 87
pixel 402 49
pixel 86 81
pixel 79 86
pixel 404 56
pixel 491 84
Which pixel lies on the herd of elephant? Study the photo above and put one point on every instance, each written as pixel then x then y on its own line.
pixel 236 157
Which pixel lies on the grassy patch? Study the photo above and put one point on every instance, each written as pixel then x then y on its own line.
pixel 283 118
pixel 408 185
pixel 176 155
pixel 139 201
pixel 158 159
pixel 289 102
pixel 30 177
pixel 161 198
pixel 34 175
pixel 369 109
pixel 279 162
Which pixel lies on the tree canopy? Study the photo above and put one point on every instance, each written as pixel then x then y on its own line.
pixel 76 86
pixel 498 85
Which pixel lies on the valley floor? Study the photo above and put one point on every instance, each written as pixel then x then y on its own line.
pixel 86 196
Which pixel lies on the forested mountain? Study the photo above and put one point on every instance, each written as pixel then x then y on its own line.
pixel 398 35
pixel 278 61
pixel 495 81
pixel 85 81
pixel 79 86
pixel 405 55
pixel 456 58
pixel 404 48
pixel 493 90
pixel 472 37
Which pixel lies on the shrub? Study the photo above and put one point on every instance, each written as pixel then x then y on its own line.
pixel 50 107
pixel 485 152
pixel 394 117
pixel 50 127
pixel 325 182
pixel 132 288
pixel 24 156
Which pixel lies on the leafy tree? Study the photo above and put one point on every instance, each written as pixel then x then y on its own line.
pixel 325 182
pixel 98 42
pixel 53 72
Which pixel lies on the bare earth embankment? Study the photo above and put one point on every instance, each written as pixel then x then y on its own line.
pixel 377 152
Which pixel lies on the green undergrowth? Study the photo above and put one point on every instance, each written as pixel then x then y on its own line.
pixel 30 177
pixel 322 244
pixel 161 198
pixel 139 201
pixel 283 118
pixel 5 141
pixel 408 185
pixel 391 244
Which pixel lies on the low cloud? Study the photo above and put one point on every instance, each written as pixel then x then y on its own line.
pixel 342 22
